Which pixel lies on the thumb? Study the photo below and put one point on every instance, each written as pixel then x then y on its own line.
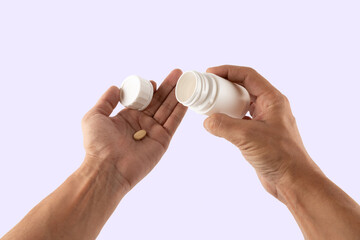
pixel 232 129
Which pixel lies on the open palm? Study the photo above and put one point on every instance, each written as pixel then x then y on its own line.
pixel 110 139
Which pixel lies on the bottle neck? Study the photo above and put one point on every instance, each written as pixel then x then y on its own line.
pixel 197 91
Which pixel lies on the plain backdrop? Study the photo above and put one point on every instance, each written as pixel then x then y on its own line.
pixel 58 57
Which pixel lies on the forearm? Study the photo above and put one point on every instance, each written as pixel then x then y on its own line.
pixel 78 209
pixel 322 209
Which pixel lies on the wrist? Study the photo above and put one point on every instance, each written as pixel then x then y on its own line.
pixel 102 171
pixel 303 177
pixel 321 209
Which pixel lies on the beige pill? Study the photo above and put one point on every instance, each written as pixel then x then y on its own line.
pixel 139 134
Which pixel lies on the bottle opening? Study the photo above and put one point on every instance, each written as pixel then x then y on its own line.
pixel 185 87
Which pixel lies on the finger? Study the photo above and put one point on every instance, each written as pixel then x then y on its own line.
pixel 154 85
pixel 175 118
pixel 252 98
pixel 108 101
pixel 248 77
pixel 252 109
pixel 163 91
pixel 166 108
pixel 233 129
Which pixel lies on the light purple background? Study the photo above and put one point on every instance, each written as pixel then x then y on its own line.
pixel 58 57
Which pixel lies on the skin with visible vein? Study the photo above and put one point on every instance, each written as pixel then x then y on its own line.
pixel 270 141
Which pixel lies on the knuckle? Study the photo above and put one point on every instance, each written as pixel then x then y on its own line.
pixel 282 99
pixel 251 71
pixel 291 119
pixel 287 119
pixel 277 97
pixel 86 117
pixel 286 98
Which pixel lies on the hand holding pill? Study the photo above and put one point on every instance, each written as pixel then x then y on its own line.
pixel 133 141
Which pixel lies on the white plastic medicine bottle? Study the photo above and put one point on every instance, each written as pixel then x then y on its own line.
pixel 207 93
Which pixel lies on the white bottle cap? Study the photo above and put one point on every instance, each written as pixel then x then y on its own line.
pixel 136 92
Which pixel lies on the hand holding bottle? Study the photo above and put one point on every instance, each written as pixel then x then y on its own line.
pixel 270 141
